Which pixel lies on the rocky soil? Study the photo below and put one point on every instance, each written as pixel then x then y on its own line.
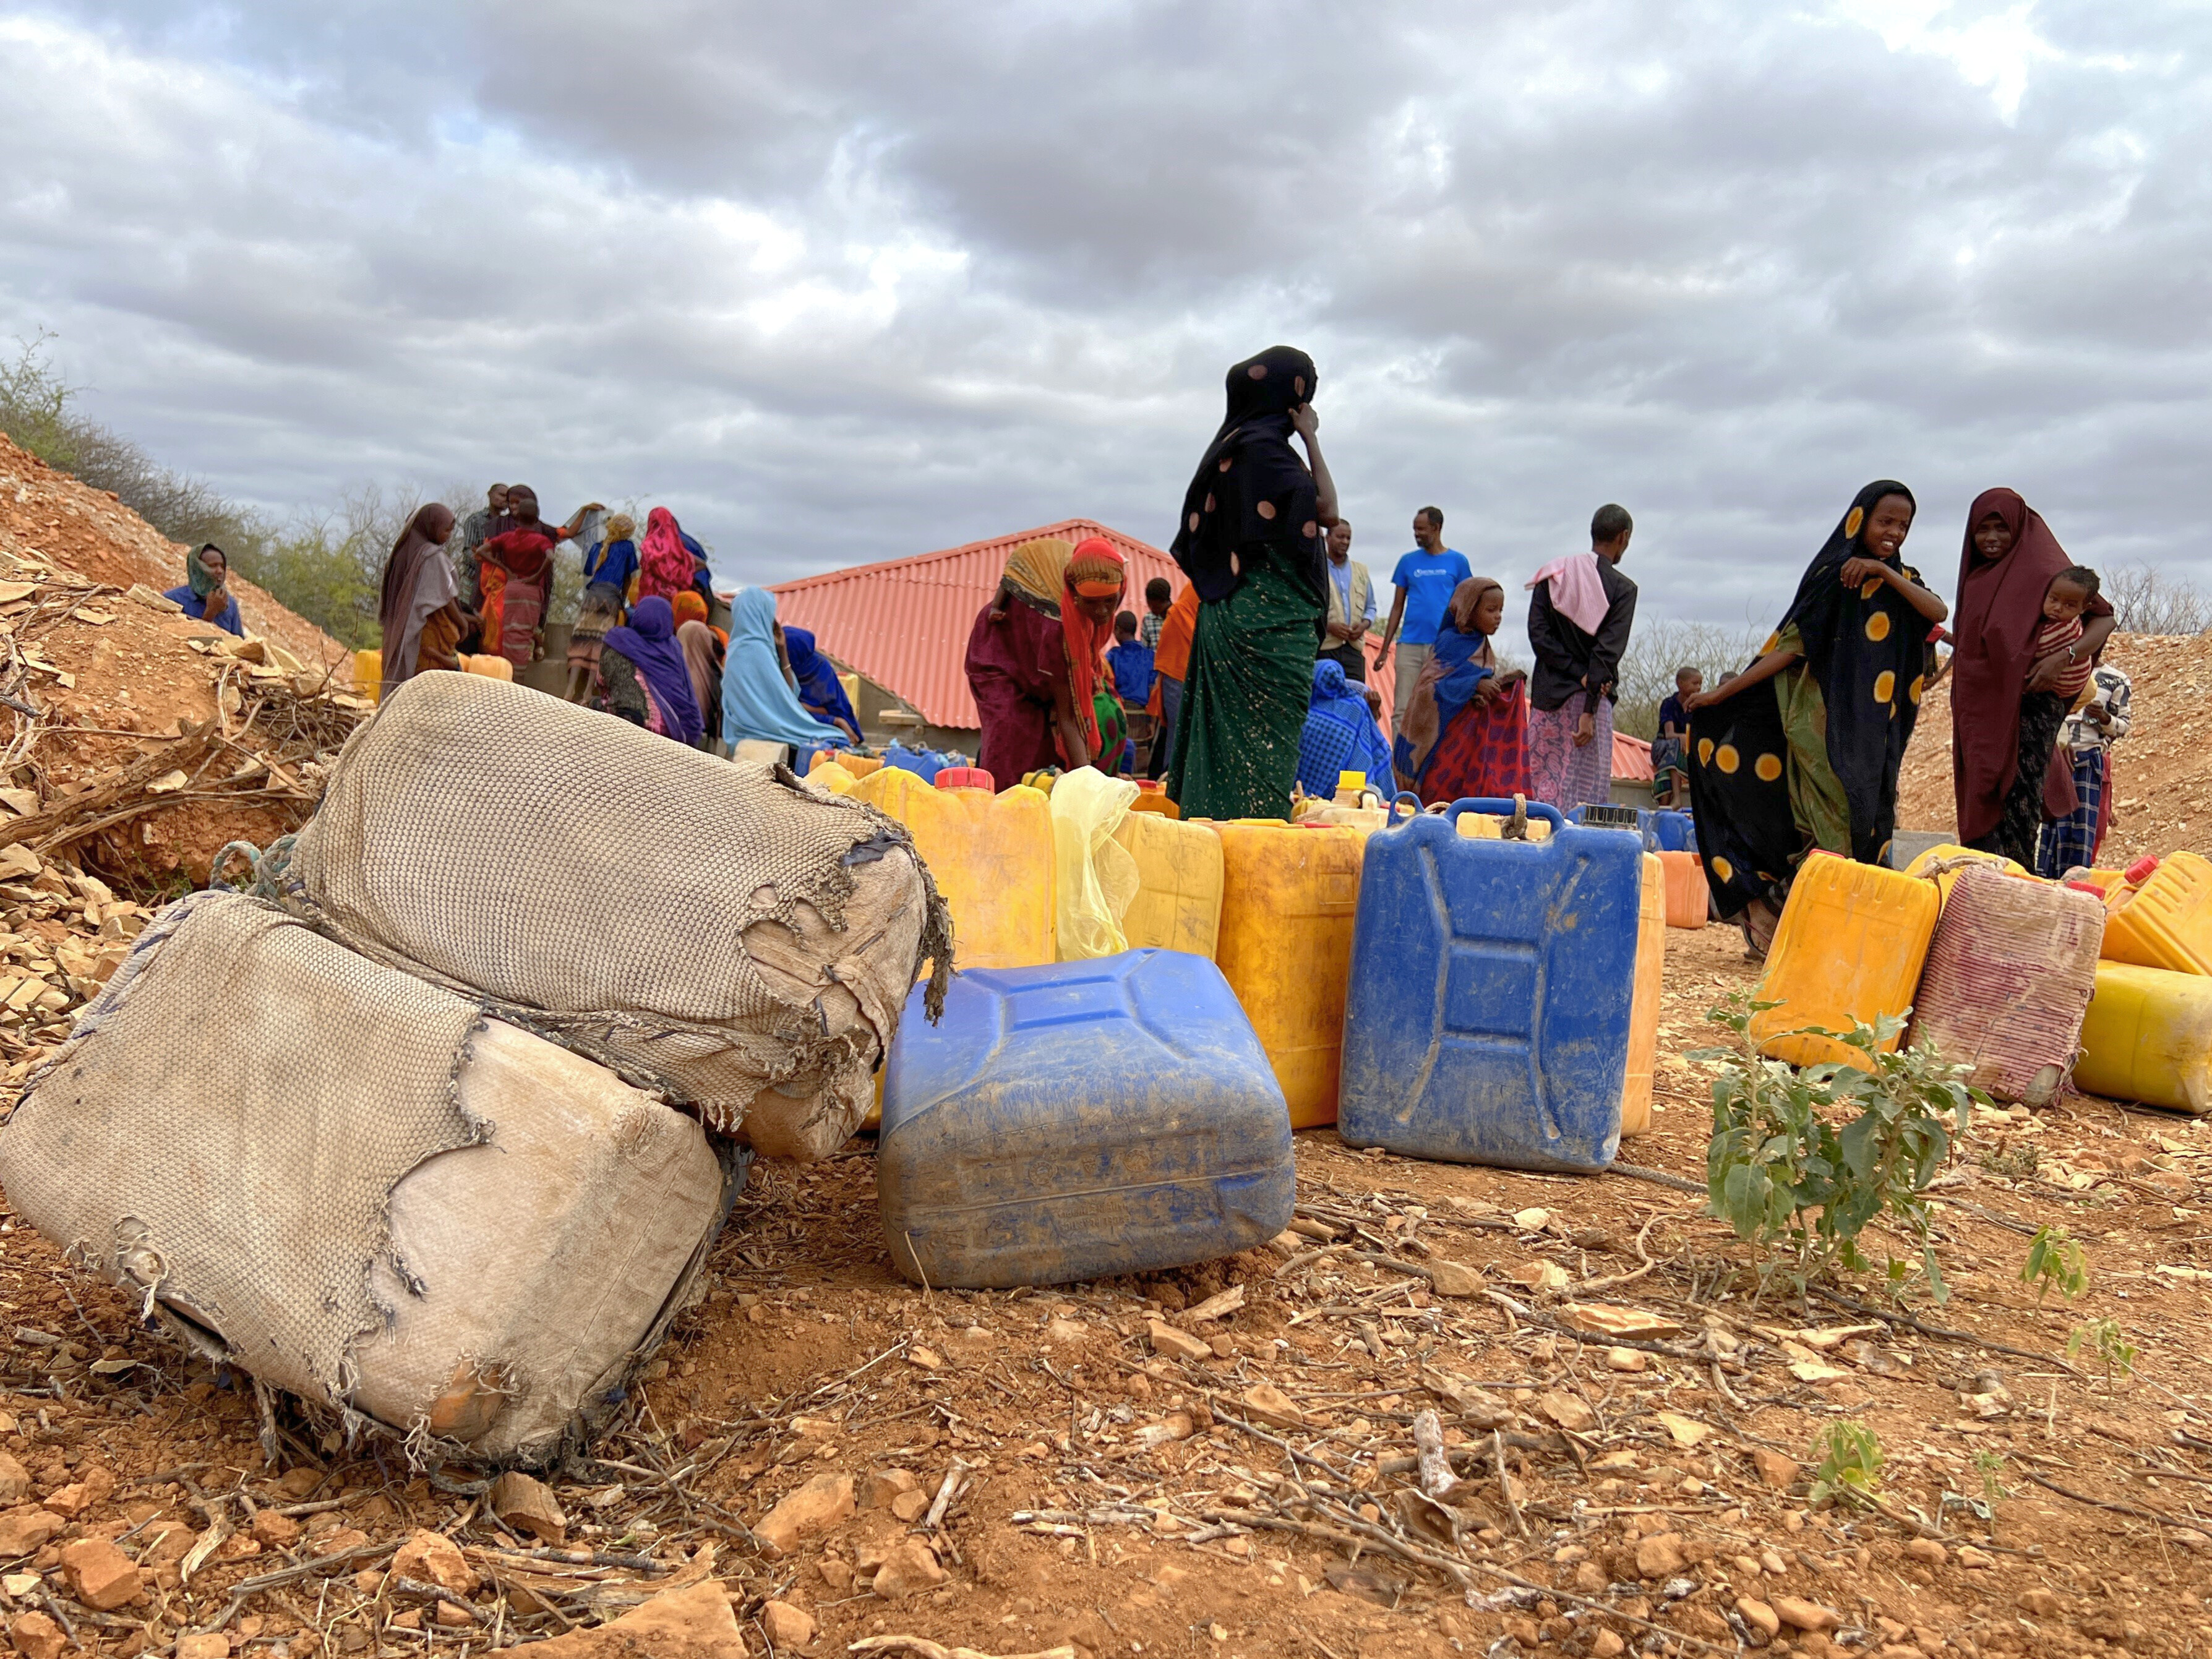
pixel 1221 1462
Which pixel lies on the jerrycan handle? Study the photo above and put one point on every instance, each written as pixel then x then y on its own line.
pixel 1402 797
pixel 1518 810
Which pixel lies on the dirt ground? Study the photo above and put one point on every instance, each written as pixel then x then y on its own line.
pixel 2161 770
pixel 1105 1496
pixel 1216 1461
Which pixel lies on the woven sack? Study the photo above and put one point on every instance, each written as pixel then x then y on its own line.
pixel 343 1182
pixel 2008 978
pixel 717 931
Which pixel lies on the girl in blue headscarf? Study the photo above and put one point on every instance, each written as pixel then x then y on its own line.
pixel 758 702
pixel 821 693
pixel 205 595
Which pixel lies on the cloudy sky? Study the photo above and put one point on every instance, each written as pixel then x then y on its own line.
pixel 847 283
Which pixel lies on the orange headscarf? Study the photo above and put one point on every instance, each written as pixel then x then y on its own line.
pixel 1095 570
pixel 1172 655
pixel 689 606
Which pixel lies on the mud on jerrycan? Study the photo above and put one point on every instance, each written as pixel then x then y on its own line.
pixel 1488 1015
pixel 991 856
pixel 1288 892
pixel 1067 1122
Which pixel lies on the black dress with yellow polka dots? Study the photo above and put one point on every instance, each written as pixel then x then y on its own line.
pixel 1755 781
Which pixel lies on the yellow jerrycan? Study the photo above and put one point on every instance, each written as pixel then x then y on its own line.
pixel 1288 895
pixel 2166 920
pixel 1643 1007
pixel 2147 1038
pixel 990 855
pixel 1178 902
pixel 1849 946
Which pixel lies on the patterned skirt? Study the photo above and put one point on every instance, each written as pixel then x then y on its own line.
pixel 1561 774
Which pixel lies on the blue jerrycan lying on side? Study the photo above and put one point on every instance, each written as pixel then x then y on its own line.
pixel 1079 1119
pixel 1486 1020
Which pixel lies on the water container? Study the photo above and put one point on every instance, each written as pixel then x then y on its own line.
pixel 1941 863
pixel 368 674
pixel 2166 921
pixel 1110 1116
pixel 858 766
pixel 1849 946
pixel 2147 1038
pixel 1178 902
pixel 992 859
pixel 965 777
pixel 490 667
pixel 1675 831
pixel 1605 815
pixel 1491 988
pixel 1688 896
pixel 1644 1010
pixel 923 763
pixel 1153 798
pixel 1042 778
pixel 1288 893
pixel 2009 975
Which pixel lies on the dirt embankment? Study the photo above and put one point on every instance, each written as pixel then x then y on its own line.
pixel 2161 770
pixel 138 741
pixel 50 514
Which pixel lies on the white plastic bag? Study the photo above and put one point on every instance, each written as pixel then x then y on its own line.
pixel 1094 877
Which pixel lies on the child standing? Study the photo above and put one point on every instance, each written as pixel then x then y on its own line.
pixel 1158 596
pixel 1130 662
pixel 1671 775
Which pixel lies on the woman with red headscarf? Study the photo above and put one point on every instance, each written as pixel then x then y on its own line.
pixel 2005 713
pixel 1091 590
pixel 1022 665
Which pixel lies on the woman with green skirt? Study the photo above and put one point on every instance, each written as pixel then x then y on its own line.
pixel 1252 541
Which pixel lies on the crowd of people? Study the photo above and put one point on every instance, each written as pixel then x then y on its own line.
pixel 1244 683
pixel 1247 688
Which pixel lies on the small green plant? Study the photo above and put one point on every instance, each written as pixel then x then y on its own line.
pixel 2014 1163
pixel 1989 1465
pixel 1802 1158
pixel 2102 1339
pixel 1847 1466
pixel 2055 1262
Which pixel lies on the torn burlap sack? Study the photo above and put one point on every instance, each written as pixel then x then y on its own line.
pixel 345 1182
pixel 715 930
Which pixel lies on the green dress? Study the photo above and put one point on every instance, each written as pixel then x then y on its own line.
pixel 1246 694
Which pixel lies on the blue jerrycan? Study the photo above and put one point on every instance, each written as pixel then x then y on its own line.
pixel 1487 1018
pixel 1079 1119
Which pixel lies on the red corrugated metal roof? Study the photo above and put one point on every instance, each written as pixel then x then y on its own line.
pixel 1631 759
pixel 905 623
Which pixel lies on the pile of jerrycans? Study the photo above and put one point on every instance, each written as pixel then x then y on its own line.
pixel 1480 985
pixel 2105 978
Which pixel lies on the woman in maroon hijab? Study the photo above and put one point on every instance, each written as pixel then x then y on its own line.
pixel 2004 714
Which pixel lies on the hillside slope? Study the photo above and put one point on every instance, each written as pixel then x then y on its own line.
pixel 48 513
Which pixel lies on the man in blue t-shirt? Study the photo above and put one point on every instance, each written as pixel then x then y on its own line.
pixel 1425 579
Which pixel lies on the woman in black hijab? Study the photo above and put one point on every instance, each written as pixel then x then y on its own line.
pixel 1801 750
pixel 1253 539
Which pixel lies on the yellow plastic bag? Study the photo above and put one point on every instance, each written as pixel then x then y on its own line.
pixel 1094 876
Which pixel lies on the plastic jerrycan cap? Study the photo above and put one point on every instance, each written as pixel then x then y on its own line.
pixel 964 777
pixel 2142 869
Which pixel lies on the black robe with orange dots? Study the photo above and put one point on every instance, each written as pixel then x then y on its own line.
pixel 1757 795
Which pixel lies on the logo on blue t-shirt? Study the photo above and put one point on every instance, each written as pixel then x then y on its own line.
pixel 1430 579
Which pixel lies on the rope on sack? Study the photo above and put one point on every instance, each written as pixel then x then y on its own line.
pixel 271 870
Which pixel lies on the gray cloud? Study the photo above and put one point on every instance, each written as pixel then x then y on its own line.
pixel 849 285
